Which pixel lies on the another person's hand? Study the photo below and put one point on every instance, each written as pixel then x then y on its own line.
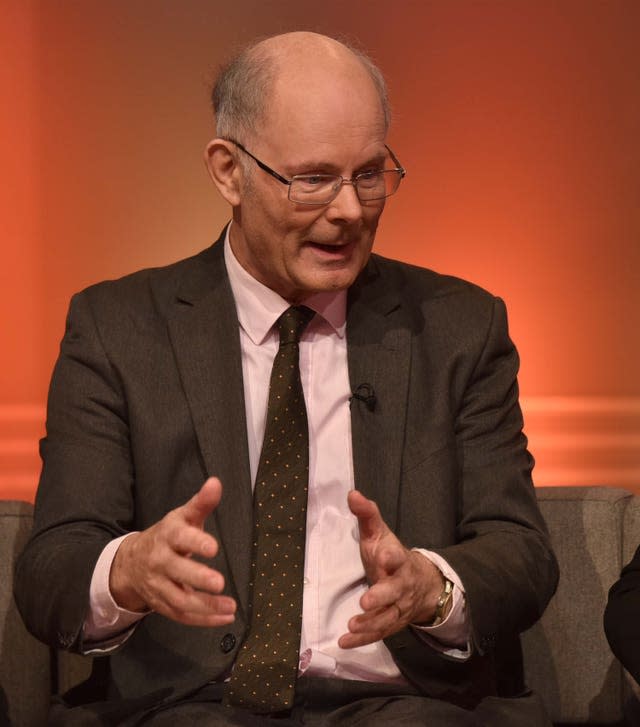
pixel 153 569
pixel 404 585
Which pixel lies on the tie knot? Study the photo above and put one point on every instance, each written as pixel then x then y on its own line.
pixel 292 323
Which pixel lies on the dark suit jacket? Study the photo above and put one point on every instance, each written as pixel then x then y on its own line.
pixel 622 617
pixel 146 401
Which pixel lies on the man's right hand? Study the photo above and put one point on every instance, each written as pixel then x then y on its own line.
pixel 154 570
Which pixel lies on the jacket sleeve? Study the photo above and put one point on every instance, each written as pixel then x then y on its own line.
pixel 86 462
pixel 622 617
pixel 500 547
pixel 502 554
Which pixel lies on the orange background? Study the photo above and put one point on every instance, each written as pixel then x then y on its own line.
pixel 518 122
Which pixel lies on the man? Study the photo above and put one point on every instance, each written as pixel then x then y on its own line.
pixel 414 441
pixel 622 616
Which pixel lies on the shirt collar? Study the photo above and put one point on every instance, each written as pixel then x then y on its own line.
pixel 259 307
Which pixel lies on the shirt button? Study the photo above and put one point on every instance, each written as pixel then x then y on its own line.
pixel 306 581
pixel 227 643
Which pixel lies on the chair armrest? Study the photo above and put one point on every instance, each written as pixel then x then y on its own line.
pixel 567 658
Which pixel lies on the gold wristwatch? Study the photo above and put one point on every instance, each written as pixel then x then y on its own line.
pixel 443 603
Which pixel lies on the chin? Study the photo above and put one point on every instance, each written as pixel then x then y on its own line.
pixel 329 283
pixel 338 277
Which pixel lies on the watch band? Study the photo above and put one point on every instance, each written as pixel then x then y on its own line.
pixel 443 601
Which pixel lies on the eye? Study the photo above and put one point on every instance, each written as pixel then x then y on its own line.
pixel 369 178
pixel 312 180
pixel 308 183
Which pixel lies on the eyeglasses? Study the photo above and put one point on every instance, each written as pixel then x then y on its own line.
pixel 321 189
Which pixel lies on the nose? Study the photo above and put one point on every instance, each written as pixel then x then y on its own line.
pixel 346 205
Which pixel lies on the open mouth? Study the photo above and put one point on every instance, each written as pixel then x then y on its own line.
pixel 327 248
pixel 331 249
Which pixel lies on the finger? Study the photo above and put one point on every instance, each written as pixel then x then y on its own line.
pixel 382 594
pixel 353 641
pixel 194 608
pixel 391 557
pixel 371 627
pixel 189 573
pixel 381 621
pixel 370 522
pixel 164 595
pixel 191 540
pixel 203 503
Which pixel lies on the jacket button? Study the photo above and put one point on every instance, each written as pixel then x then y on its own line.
pixel 227 643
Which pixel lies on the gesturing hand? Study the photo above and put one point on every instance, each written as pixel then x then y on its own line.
pixel 404 584
pixel 153 569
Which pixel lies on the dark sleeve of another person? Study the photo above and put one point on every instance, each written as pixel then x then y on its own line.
pixel 622 617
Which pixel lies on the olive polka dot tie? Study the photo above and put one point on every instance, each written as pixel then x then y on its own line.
pixel 264 675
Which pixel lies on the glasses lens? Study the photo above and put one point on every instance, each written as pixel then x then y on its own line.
pixel 377 185
pixel 314 189
pixel 323 188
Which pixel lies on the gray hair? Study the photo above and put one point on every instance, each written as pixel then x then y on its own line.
pixel 241 91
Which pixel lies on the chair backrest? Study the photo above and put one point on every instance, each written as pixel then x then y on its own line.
pixel 594 531
pixel 25 671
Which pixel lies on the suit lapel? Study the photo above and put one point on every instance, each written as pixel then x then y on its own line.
pixel 379 354
pixel 203 328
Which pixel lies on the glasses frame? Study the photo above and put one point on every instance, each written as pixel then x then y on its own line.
pixel 353 181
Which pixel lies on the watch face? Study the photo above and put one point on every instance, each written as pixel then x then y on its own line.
pixel 443 602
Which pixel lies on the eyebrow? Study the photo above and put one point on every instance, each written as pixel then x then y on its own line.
pixel 324 167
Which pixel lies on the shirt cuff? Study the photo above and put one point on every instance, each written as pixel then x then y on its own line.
pixel 107 626
pixel 452 636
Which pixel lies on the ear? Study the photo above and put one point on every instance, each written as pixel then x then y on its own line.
pixel 224 169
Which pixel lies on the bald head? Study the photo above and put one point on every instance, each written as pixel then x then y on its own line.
pixel 286 65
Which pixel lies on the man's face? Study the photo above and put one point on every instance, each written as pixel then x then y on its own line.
pixel 331 126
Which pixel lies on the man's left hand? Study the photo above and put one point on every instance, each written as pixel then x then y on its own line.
pixel 404 585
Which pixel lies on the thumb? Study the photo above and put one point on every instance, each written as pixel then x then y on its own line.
pixel 370 522
pixel 203 503
pixel 382 553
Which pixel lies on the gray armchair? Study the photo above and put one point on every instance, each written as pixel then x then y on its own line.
pixel 30 672
pixel 595 530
